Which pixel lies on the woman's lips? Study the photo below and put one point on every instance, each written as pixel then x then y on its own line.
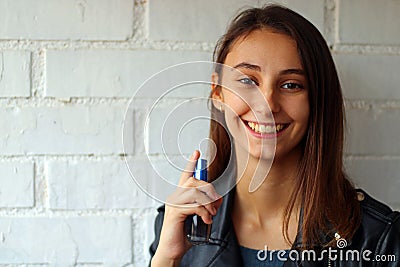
pixel 265 130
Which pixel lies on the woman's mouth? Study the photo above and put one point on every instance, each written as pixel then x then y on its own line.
pixel 265 130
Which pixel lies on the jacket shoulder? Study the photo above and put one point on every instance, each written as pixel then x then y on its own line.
pixel 375 209
pixel 379 230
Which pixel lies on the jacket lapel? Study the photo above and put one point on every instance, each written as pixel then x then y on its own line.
pixel 223 250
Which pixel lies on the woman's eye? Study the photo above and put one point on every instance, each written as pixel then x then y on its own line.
pixel 292 86
pixel 247 81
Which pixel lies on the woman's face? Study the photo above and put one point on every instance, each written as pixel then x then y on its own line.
pixel 274 77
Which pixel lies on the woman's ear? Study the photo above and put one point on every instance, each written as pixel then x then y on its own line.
pixel 216 95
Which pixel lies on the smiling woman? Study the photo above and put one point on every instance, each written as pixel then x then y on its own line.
pixel 306 201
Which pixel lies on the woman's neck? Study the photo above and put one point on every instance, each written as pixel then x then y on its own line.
pixel 272 196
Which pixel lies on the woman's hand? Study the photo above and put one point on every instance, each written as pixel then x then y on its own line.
pixel 192 197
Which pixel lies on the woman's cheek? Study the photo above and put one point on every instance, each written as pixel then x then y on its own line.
pixel 236 105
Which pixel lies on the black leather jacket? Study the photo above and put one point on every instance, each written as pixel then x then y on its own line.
pixel 377 239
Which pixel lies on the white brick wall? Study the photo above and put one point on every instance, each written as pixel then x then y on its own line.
pixel 366 76
pixel 356 23
pixel 371 132
pixel 83 185
pixel 66 20
pixel 71 129
pixel 108 73
pixel 67 72
pixel 63 241
pixel 14 73
pixel 17 189
pixel 206 20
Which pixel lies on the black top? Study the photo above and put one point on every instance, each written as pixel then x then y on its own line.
pixel 263 258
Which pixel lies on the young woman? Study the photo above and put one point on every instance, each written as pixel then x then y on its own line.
pixel 306 203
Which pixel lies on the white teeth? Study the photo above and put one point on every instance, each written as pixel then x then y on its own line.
pixel 260 128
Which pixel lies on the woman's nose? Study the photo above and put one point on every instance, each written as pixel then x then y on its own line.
pixel 272 99
pixel 267 97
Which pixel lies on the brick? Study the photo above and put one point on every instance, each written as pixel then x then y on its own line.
pixel 14 73
pixel 16 184
pixel 66 241
pixel 207 20
pixel 104 184
pixel 144 232
pixel 138 134
pixel 187 80
pixel 178 128
pixel 372 132
pixel 379 177
pixel 109 73
pixel 156 176
pixel 357 27
pixel 63 19
pixel 62 130
pixel 369 76
pixel 133 134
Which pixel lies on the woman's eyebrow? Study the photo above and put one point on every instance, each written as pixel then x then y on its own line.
pixel 292 71
pixel 247 66
pixel 258 68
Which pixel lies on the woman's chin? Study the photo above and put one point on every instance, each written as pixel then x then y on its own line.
pixel 263 154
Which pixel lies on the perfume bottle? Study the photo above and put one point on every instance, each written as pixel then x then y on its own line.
pixel 197 231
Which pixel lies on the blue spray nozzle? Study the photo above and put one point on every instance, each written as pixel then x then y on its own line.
pixel 200 171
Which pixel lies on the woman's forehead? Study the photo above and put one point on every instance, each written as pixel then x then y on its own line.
pixel 265 48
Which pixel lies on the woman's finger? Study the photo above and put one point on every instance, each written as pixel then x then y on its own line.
pixel 194 198
pixel 200 211
pixel 205 187
pixel 189 169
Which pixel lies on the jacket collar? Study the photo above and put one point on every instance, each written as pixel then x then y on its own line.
pixel 222 221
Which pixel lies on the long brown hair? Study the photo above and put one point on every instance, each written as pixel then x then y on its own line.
pixel 328 197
